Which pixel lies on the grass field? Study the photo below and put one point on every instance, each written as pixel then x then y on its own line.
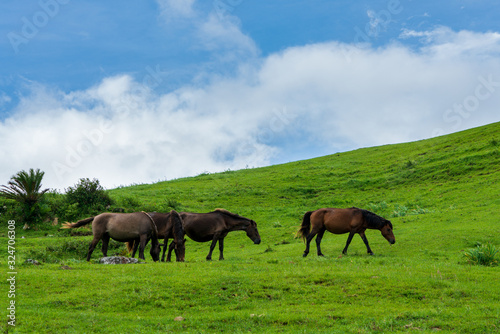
pixel 442 196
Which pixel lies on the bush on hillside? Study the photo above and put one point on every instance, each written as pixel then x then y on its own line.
pixel 86 198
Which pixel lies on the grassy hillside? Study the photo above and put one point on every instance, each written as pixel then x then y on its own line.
pixel 442 196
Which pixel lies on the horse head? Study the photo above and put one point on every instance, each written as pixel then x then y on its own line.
pixel 252 232
pixel 155 250
pixel 387 232
pixel 180 250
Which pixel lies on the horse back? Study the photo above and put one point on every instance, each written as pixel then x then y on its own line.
pixel 338 221
pixel 202 227
pixel 123 226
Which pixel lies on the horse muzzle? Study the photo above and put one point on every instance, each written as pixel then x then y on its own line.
pixel 392 241
pixel 256 241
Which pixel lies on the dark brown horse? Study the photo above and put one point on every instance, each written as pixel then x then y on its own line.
pixel 214 226
pixel 122 227
pixel 340 221
pixel 169 226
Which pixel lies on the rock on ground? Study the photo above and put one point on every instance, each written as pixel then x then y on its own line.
pixel 117 260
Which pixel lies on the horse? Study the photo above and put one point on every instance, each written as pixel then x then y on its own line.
pixel 122 227
pixel 169 226
pixel 214 226
pixel 340 221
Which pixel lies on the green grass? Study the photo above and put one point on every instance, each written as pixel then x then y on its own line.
pixel 485 255
pixel 442 196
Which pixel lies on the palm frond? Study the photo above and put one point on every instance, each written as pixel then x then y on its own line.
pixel 24 187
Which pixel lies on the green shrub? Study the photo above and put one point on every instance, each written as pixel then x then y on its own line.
pixel 403 210
pixel 399 211
pixel 89 197
pixel 484 255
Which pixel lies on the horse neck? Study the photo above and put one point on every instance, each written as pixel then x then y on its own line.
pixel 236 224
pixel 154 228
pixel 373 221
pixel 161 221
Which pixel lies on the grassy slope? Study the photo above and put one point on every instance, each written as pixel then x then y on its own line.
pixel 441 195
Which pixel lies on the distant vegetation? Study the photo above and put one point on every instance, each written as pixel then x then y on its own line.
pixel 26 203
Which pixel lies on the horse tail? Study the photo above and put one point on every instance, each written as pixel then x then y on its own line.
pixel 78 223
pixel 130 246
pixel 305 227
pixel 177 224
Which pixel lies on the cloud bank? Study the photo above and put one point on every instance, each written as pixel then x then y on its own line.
pixel 305 101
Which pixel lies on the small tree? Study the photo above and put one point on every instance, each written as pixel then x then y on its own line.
pixel 88 196
pixel 25 188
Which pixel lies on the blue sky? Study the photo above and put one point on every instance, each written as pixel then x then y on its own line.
pixel 140 91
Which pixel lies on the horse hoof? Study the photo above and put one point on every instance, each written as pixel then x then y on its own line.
pixel 304 255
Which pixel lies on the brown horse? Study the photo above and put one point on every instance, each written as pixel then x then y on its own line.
pixel 214 226
pixel 121 227
pixel 340 221
pixel 169 226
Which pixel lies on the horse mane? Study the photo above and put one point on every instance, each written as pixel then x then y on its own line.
pixel 177 225
pixel 234 215
pixel 374 221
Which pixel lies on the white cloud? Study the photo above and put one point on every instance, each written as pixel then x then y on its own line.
pixel 216 30
pixel 176 9
pixel 317 99
pixel 217 33
pixel 447 44
pixel 4 99
pixel 375 23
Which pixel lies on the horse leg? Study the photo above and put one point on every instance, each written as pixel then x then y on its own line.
pixel 309 237
pixel 349 239
pixel 318 240
pixel 212 246
pixel 105 241
pixel 363 236
pixel 165 246
pixel 170 249
pixel 92 246
pixel 221 249
pixel 134 249
pixel 143 241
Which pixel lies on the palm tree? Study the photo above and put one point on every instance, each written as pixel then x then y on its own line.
pixel 25 188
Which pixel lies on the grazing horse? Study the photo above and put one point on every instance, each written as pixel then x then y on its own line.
pixel 169 226
pixel 340 221
pixel 214 226
pixel 122 227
